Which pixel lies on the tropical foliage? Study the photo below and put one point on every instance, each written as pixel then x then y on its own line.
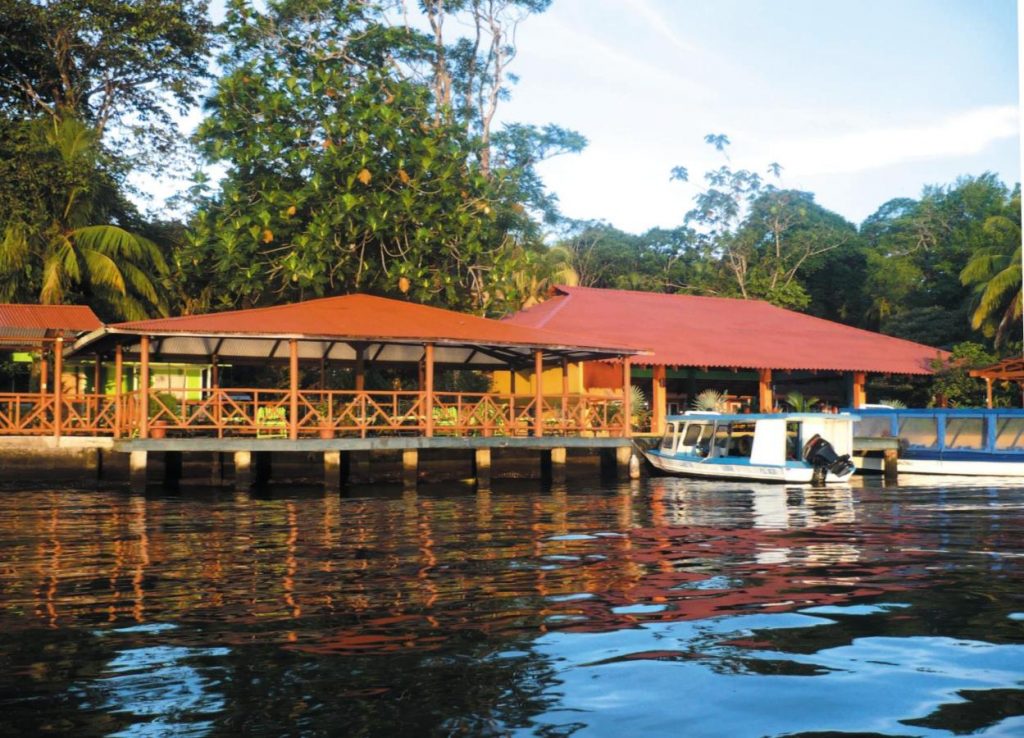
pixel 73 255
pixel 347 146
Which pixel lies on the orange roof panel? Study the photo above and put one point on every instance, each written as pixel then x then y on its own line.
pixel 42 321
pixel 369 318
pixel 687 330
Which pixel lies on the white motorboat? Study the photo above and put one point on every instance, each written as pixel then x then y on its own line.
pixel 780 447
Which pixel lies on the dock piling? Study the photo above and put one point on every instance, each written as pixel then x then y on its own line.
pixel 172 469
pixel 890 460
pixel 334 471
pixel 243 469
pixel 410 467
pixel 137 464
pixel 482 468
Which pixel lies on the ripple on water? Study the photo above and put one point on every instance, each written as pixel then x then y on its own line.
pixel 661 608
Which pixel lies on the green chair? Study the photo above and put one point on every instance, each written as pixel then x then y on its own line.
pixel 271 422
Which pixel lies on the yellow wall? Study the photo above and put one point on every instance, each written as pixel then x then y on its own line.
pixel 552 381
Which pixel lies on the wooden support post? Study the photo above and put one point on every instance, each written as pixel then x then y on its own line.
pixel 44 372
pixel 118 381
pixel 58 386
pixel 623 457
pixel 243 469
pixel 137 463
pixel 332 471
pixel 859 394
pixel 97 376
pixel 293 389
pixel 659 399
pixel 538 393
pixel 410 467
pixel 262 468
pixel 144 387
pixel 215 371
pixel 765 400
pixel 565 424
pixel 360 369
pixel 172 469
pixel 608 463
pixel 512 380
pixel 482 468
pixel 890 462
pixel 553 466
pixel 428 388
pixel 627 407
pixel 988 392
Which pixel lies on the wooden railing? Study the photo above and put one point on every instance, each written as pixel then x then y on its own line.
pixel 266 413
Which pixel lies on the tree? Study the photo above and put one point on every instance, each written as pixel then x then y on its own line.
pixel 112 64
pixel 918 250
pixel 763 238
pixel 72 255
pixel 952 384
pixel 340 174
pixel 994 272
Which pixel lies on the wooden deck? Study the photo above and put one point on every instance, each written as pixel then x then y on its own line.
pixel 308 414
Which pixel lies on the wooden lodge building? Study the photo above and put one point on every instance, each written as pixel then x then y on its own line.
pixel 754 351
pixel 557 375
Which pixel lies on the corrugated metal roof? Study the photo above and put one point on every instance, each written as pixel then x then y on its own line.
pixel 686 330
pixel 368 318
pixel 44 321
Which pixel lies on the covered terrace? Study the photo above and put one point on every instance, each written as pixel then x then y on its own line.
pixel 357 333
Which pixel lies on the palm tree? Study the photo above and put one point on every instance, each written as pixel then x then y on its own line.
pixel 995 273
pixel 71 253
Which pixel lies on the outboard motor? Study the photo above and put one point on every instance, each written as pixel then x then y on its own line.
pixel 819 453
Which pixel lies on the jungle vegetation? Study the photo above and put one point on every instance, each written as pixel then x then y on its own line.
pixel 354 150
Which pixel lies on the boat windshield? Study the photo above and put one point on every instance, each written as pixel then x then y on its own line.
pixel 668 441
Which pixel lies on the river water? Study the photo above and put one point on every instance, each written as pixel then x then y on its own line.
pixel 659 608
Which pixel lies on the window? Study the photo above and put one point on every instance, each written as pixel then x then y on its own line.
pixel 922 432
pixel 965 433
pixel 692 434
pixel 873 427
pixel 1009 433
pixel 668 441
pixel 742 439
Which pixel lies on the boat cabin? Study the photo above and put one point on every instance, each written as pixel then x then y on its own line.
pixel 769 439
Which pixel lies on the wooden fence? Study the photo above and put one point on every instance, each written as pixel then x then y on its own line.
pixel 266 413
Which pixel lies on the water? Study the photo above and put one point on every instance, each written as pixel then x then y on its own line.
pixel 661 608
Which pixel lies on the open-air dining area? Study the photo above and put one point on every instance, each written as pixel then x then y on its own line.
pixel 308 345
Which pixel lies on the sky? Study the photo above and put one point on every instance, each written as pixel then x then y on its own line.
pixel 860 101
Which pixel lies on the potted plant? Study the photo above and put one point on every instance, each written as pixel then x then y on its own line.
pixel 161 406
pixel 326 429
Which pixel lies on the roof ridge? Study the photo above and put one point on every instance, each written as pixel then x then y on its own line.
pixel 261 309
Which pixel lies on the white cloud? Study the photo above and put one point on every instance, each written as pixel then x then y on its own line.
pixel 962 134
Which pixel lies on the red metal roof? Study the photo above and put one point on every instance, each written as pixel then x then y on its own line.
pixel 43 321
pixel 686 330
pixel 364 317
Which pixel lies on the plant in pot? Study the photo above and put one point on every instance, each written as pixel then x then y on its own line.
pixel 162 408
pixel 711 401
pixel 323 409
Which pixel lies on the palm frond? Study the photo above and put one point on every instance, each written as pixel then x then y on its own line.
pixel 102 270
pixel 54 281
pixel 13 248
pixel 65 251
pixel 137 281
pixel 109 240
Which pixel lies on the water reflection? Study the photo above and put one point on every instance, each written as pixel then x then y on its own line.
pixel 772 610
